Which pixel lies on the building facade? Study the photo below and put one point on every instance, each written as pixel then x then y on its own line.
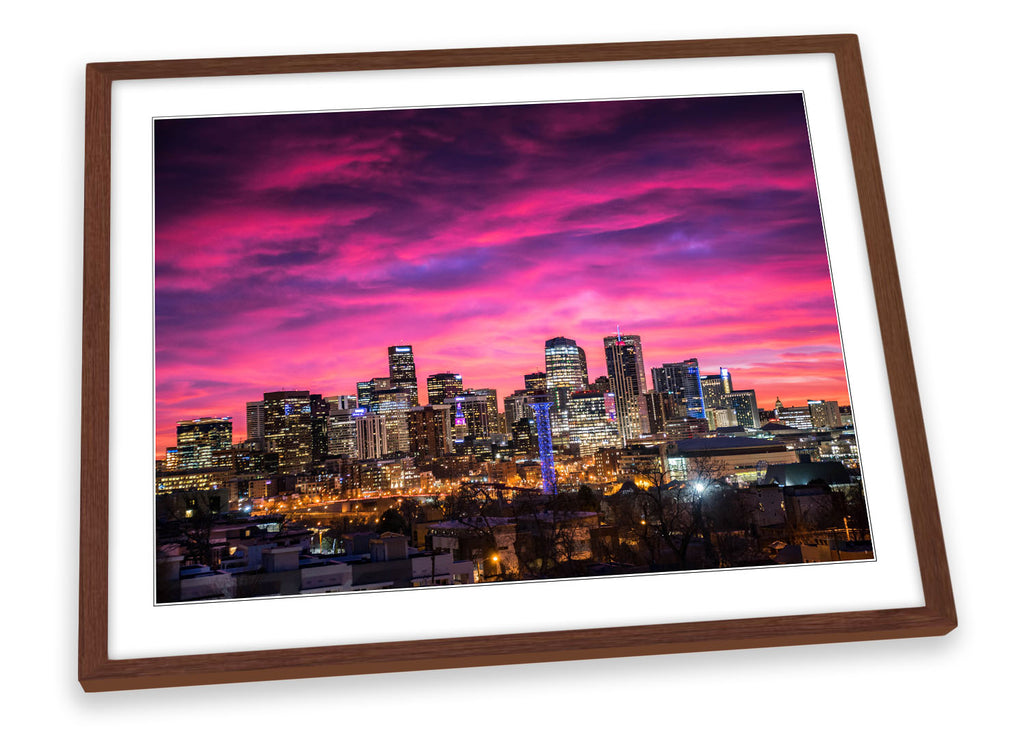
pixel 203 443
pixel 625 361
pixel 443 386
pixel 402 371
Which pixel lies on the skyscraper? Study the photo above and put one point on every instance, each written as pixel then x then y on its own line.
pixel 682 381
pixel 744 402
pixel 254 419
pixel 364 393
pixel 430 433
pixel 202 442
pixel 341 431
pixel 564 364
pixel 537 381
pixel 393 405
pixel 493 422
pixel 726 380
pixel 443 386
pixel 625 360
pixel 714 394
pixel 371 435
pixel 402 371
pixel 592 422
pixel 289 429
pixel 470 415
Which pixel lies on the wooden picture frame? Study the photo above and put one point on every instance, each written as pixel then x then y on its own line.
pixel 99 672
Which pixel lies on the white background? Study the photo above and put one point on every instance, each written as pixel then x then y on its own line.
pixel 942 86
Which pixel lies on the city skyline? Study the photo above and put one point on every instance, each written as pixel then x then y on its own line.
pixel 474 234
pixel 239 424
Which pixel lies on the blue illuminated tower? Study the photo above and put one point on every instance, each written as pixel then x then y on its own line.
pixel 542 413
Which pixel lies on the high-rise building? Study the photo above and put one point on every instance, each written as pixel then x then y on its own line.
pixel 517 406
pixel 430 433
pixel 203 443
pixel 744 402
pixel 564 364
pixel 393 405
pixel 402 371
pixel 319 413
pixel 682 382
pixel 443 386
pixel 659 409
pixel 524 436
pixel 342 401
pixel 254 419
pixel 592 421
pixel 341 431
pixel 493 422
pixel 371 435
pixel 625 360
pixel 289 429
pixel 537 381
pixel 726 380
pixel 824 414
pixel 600 384
pixel 714 394
pixel 470 415
pixel 364 393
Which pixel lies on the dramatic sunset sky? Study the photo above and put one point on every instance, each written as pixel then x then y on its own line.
pixel 291 250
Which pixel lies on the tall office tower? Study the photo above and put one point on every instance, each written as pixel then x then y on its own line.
pixel 659 410
pixel 517 406
pixel 493 423
pixel 600 384
pixel 682 382
pixel 341 431
pixel 563 362
pixel 364 393
pixel 430 433
pixel 625 360
pixel 402 371
pixel 592 422
pixel 824 414
pixel 726 380
pixel 319 413
pixel 371 435
pixel 204 443
pixel 714 395
pixel 542 415
pixel 524 437
pixel 537 381
pixel 393 405
pixel 288 429
pixel 254 419
pixel 342 401
pixel 443 386
pixel 745 404
pixel 470 415
pixel 584 372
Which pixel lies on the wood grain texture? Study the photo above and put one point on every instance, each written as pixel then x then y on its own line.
pixel 97 672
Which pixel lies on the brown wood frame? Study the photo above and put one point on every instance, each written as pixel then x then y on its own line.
pixel 97 672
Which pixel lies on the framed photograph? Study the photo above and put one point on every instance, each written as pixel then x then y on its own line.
pixel 433 359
